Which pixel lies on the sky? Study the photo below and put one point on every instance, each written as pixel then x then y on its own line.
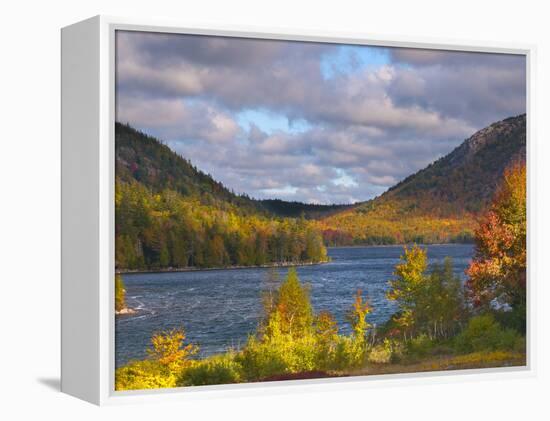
pixel 311 122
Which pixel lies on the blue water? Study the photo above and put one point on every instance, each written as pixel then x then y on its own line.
pixel 219 308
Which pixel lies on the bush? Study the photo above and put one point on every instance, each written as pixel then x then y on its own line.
pixel 483 333
pixel 145 374
pixel 386 352
pixel 350 352
pixel 220 369
pixel 420 346
pixel 380 354
pixel 516 318
pixel 169 349
pixel 278 354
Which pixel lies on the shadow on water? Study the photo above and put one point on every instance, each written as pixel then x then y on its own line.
pixel 53 383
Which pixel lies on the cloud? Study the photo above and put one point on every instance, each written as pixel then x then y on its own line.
pixel 481 88
pixel 309 121
pixel 175 118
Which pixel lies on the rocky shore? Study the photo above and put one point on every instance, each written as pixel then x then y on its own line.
pixel 125 310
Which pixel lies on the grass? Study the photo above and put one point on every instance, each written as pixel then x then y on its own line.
pixel 446 362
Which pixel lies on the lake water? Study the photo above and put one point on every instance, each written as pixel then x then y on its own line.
pixel 219 308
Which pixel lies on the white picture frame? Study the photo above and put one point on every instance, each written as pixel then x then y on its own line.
pixel 88 104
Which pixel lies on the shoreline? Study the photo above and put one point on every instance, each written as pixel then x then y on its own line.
pixel 197 269
pixel 399 245
pixel 273 265
pixel 126 311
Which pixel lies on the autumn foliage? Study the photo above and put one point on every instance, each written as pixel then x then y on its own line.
pixel 430 302
pixel 168 230
pixel 120 293
pixel 169 349
pixel 497 274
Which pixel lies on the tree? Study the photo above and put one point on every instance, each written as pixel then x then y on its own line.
pixel 162 229
pixel 405 288
pixel 292 307
pixel 326 327
pixel 358 316
pixel 270 294
pixel 120 293
pixel 428 303
pixel 326 338
pixel 441 305
pixel 168 348
pixel 497 273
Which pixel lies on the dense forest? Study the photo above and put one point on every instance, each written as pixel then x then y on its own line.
pixel 439 203
pixel 440 323
pixel 166 229
pixel 169 214
pixel 180 217
pixel 143 158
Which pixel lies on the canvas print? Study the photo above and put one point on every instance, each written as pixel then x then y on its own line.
pixel 295 210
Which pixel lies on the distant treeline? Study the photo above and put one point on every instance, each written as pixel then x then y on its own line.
pixel 166 229
pixel 384 227
pixel 171 214
pixel 298 209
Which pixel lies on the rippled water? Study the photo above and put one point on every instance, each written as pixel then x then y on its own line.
pixel 219 308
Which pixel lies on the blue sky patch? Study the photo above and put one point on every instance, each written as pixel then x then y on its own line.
pixel 353 58
pixel 270 122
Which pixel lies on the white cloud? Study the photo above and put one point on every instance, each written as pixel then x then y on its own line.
pixel 362 129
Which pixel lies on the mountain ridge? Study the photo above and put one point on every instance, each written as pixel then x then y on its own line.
pixel 505 140
pixel 438 203
pixel 144 158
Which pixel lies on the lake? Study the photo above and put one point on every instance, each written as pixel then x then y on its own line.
pixel 219 308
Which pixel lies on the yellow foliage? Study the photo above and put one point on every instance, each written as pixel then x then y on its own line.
pixel 145 374
pixel 169 350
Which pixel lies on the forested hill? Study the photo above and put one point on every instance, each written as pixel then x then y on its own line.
pixel 297 209
pixel 170 215
pixel 466 178
pixel 145 159
pixel 440 202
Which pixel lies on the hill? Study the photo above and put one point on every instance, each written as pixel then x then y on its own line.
pixel 170 215
pixel 142 158
pixel 440 202
pixel 465 179
pixel 298 209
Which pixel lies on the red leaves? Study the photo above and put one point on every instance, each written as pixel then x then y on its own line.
pixel 498 269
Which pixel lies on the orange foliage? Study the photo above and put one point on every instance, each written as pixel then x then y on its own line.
pixel 395 222
pixel 498 270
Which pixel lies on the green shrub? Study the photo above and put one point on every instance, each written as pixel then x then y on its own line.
pixel 219 369
pixel 483 333
pixel 386 352
pixel 278 354
pixel 420 346
pixel 350 352
pixel 515 319
pixel 380 354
